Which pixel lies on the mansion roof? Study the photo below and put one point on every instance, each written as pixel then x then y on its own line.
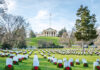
pixel 50 29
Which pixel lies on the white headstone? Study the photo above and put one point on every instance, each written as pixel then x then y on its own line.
pixel 15 58
pixel 36 63
pixel 77 60
pixel 26 56
pixel 97 60
pixel 19 56
pixel 59 61
pixel 66 64
pixel 55 60
pixel 95 64
pixel 64 59
pixel 71 60
pixel 83 60
pixel 3 54
pixel 35 57
pixel 9 61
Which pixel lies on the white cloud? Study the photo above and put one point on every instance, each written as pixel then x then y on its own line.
pixel 42 14
pixel 61 23
pixel 41 22
pixel 11 4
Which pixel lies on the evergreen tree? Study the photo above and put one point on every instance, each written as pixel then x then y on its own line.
pixel 32 34
pixel 61 32
pixel 85 25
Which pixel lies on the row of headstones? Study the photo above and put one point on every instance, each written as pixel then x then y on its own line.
pixel 12 51
pixel 65 52
pixel 72 50
pixel 9 62
pixel 6 53
pixel 14 60
pixel 58 62
pixel 76 52
pixel 68 64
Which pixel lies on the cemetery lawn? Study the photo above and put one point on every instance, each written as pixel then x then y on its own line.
pixel 34 41
pixel 45 65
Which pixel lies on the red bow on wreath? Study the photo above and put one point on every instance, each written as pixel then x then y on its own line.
pixel 14 62
pixel 55 63
pixel 71 63
pixel 36 68
pixel 60 65
pixel 98 67
pixel 67 68
pixel 9 66
pixel 19 59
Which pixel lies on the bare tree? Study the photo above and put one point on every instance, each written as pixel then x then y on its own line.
pixel 68 38
pixel 13 29
pixel 64 39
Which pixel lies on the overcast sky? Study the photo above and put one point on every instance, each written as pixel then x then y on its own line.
pixel 37 12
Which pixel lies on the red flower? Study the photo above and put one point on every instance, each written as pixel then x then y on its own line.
pixel 67 68
pixel 60 65
pixel 36 68
pixel 9 66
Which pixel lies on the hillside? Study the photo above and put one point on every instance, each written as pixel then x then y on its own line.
pixel 34 41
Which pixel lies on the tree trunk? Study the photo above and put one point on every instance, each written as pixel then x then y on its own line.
pixel 83 46
pixel 70 44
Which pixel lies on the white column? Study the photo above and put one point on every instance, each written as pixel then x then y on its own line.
pixel 46 34
pixel 50 33
pixel 54 34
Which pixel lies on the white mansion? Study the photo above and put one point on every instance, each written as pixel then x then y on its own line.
pixel 48 32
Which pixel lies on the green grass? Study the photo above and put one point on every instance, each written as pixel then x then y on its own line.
pixel 45 65
pixel 34 41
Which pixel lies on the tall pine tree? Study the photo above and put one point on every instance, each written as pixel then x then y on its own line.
pixel 32 34
pixel 85 25
pixel 60 33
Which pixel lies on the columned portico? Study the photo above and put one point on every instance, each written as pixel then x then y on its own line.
pixel 49 32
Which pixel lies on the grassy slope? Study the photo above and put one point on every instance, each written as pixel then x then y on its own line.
pixel 34 41
pixel 45 65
